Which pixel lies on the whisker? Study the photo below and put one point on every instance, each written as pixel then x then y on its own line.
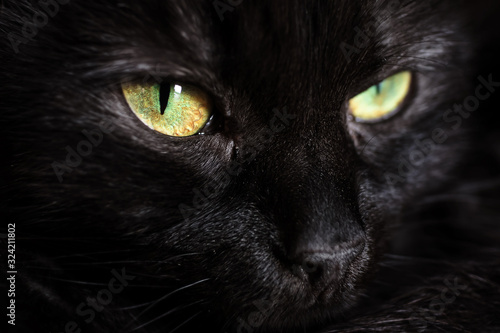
pixel 481 185
pixel 166 314
pixel 134 306
pixel 457 197
pixel 108 252
pixel 76 281
pixel 171 293
pixel 130 285
pixel 186 321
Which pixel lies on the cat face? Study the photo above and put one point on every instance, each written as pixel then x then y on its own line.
pixel 284 199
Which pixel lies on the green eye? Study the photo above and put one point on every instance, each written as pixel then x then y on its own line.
pixel 169 108
pixel 382 99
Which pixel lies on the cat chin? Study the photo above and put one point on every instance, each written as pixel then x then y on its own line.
pixel 289 318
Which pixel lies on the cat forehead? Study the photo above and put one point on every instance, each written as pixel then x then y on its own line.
pixel 198 38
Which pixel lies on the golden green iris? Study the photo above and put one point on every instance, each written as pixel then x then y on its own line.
pixel 382 99
pixel 187 109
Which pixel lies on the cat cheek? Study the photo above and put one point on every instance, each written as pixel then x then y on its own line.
pixel 448 118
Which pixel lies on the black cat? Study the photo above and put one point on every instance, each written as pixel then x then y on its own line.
pixel 339 173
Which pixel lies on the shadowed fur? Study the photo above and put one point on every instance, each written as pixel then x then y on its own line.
pixel 320 226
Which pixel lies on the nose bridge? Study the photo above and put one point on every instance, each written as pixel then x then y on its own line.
pixel 320 219
pixel 312 193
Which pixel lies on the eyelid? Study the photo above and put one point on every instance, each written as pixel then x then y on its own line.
pixel 376 78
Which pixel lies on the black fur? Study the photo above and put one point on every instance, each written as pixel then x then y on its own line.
pixel 320 227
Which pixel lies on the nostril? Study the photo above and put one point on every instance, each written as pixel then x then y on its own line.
pixel 320 266
pixel 313 266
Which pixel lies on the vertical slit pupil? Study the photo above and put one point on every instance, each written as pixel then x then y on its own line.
pixel 377 87
pixel 164 94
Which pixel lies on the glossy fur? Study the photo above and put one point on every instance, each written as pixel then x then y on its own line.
pixel 284 215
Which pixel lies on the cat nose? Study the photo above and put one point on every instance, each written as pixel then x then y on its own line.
pixel 322 267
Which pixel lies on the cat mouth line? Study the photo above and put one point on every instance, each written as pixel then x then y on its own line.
pixel 327 293
pixel 331 290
